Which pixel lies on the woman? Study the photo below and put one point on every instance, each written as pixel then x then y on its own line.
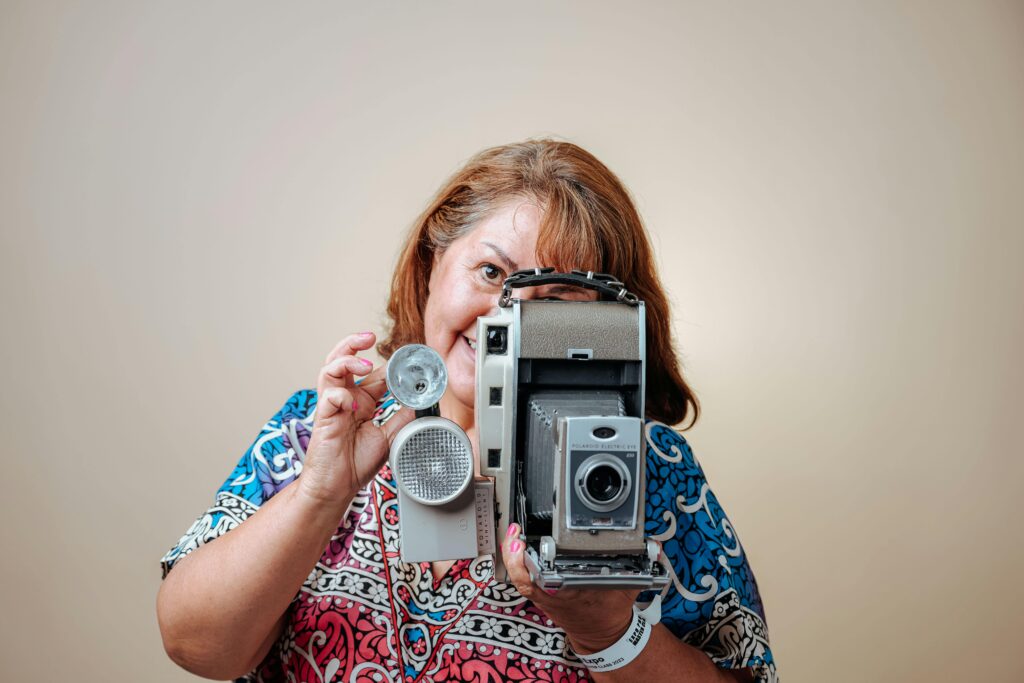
pixel 311 587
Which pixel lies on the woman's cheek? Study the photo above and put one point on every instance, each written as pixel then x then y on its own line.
pixel 466 304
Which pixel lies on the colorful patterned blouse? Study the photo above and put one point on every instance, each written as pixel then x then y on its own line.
pixel 364 615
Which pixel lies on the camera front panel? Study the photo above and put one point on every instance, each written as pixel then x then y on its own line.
pixel 602 472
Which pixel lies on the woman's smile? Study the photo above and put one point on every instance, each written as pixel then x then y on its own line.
pixel 465 283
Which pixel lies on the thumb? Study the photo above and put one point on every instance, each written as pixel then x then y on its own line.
pixel 394 425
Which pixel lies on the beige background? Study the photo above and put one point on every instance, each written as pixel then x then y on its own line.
pixel 197 200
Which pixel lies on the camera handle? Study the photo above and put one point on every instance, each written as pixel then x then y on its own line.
pixel 602 283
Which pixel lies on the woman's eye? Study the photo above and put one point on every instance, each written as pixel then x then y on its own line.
pixel 492 273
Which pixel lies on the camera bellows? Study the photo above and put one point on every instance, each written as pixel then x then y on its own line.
pixel 433 462
pixel 545 409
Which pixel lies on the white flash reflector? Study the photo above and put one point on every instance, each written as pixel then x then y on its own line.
pixel 432 460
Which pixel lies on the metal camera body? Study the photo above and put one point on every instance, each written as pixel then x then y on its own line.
pixel 560 406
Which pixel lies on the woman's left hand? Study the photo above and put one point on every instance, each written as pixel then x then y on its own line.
pixel 593 619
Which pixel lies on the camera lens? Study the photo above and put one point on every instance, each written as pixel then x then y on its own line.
pixel 603 483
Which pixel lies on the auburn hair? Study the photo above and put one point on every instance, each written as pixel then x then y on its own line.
pixel 588 222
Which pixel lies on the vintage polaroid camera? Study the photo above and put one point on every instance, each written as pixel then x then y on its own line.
pixel 559 410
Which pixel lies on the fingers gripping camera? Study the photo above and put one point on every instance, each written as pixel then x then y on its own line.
pixel 560 405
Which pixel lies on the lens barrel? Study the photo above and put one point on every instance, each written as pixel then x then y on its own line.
pixel 602 482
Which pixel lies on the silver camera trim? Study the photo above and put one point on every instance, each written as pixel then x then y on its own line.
pixel 588 466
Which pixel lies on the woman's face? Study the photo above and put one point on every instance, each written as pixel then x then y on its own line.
pixel 465 283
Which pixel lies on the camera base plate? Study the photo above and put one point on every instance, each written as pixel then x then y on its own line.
pixel 631 571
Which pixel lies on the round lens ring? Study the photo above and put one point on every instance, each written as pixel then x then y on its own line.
pixel 603 483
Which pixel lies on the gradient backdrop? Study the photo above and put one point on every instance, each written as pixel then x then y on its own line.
pixel 198 200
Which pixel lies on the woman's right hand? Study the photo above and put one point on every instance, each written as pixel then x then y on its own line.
pixel 346 449
pixel 219 616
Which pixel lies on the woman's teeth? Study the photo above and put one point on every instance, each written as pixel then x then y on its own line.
pixel 472 344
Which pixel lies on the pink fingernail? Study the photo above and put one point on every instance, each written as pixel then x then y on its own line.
pixel 515 546
pixel 513 531
pixel 366 362
pixel 366 334
pixel 551 591
pixel 355 406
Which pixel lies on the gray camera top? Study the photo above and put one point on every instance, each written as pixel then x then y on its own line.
pixel 551 329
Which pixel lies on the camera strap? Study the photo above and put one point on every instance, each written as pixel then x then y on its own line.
pixel 632 642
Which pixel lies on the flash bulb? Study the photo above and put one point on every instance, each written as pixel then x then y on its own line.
pixel 416 376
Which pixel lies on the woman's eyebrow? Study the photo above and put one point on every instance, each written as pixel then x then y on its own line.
pixel 512 265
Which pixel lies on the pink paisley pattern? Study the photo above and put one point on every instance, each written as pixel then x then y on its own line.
pixel 364 615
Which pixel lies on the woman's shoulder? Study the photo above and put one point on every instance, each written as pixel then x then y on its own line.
pixel 714 592
pixel 676 485
pixel 668 451
pixel 300 405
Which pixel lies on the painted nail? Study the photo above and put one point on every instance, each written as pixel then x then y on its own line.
pixel 551 591
pixel 513 530
pixel 355 406
pixel 368 363
pixel 515 546
pixel 366 334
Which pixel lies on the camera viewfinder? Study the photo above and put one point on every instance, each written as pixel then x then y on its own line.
pixel 497 340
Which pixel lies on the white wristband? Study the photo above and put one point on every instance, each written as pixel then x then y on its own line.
pixel 633 641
